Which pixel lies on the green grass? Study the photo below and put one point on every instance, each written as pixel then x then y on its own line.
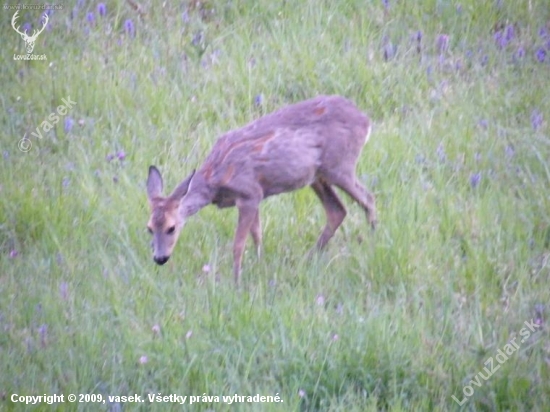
pixel 398 319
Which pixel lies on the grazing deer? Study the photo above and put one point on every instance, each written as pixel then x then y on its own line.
pixel 316 142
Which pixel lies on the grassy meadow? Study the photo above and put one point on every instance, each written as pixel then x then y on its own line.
pixel 400 319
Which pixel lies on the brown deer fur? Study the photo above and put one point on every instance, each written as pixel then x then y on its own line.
pixel 315 142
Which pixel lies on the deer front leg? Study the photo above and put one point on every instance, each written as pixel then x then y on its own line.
pixel 256 233
pixel 248 212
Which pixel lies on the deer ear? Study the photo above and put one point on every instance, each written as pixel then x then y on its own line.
pixel 182 189
pixel 154 183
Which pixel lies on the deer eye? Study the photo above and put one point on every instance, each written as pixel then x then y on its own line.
pixel 171 230
pixel 150 230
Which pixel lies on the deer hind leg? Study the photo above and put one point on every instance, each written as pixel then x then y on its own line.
pixel 357 191
pixel 334 209
pixel 248 215
pixel 256 233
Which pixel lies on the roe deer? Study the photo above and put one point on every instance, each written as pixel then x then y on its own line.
pixel 316 142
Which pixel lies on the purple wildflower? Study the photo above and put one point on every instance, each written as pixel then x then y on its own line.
pixel 540 55
pixel 64 290
pixel 43 332
pixel 27 27
pixel 69 123
pixel 509 150
pixel 121 155
pixel 102 9
pixel 536 119
pixel 13 254
pixel 197 39
pixel 65 182
pixel 474 179
pixel 320 300
pixel 509 33
pixel 129 28
pixel 109 157
pixel 90 17
pixel 185 16
pixel 500 39
pixel 418 38
pixel 539 313
pixel 543 32
pixel 442 43
pixel 441 153
pixel 386 4
pixel 483 123
pixel 258 100
pixel 520 54
pixel 389 50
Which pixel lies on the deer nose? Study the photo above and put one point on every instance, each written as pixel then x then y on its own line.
pixel 161 260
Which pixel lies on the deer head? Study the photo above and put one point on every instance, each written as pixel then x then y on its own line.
pixel 29 40
pixel 167 214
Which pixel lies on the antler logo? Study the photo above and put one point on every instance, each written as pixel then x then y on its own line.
pixel 29 40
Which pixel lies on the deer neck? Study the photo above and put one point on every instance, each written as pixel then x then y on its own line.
pixel 199 195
